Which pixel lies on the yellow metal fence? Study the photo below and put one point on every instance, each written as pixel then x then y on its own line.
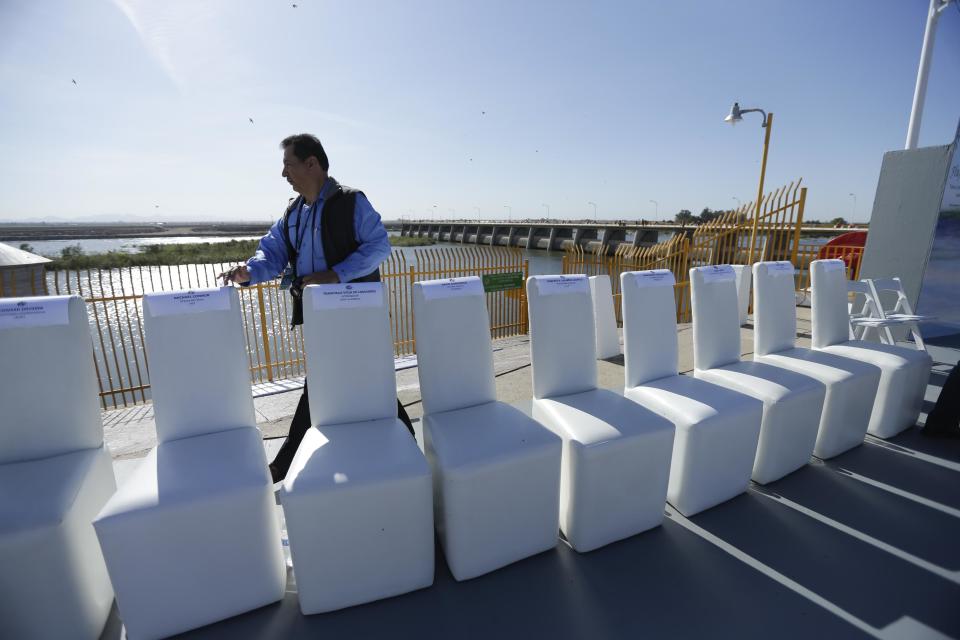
pixel 274 350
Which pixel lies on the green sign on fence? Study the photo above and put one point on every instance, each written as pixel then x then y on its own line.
pixel 502 281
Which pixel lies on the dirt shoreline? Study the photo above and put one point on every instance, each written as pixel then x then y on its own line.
pixel 36 232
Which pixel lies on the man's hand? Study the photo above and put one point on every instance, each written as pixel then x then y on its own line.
pixel 239 274
pixel 321 277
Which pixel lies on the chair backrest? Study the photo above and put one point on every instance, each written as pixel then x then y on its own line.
pixel 199 374
pixel 716 325
pixel 901 311
pixel 349 352
pixel 454 350
pixel 774 307
pixel 649 326
pixel 48 392
pixel 604 317
pixel 828 303
pixel 562 345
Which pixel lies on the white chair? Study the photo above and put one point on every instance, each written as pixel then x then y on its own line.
pixel 55 473
pixel 496 472
pixel 605 318
pixel 616 453
pixel 865 313
pixel 193 536
pixel 851 385
pixel 357 499
pixel 792 403
pixel 900 314
pixel 717 429
pixel 904 372
pixel 742 276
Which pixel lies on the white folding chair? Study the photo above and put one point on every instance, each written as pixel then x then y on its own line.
pixel 851 385
pixel 792 403
pixel 900 314
pixel 865 314
pixel 904 372
pixel 496 472
pixel 357 499
pixel 616 453
pixel 716 429
pixel 193 536
pixel 55 473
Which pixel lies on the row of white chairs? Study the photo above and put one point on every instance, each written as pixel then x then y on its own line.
pixel 193 537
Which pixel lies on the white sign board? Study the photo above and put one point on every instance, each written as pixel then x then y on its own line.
pixel 653 278
pixel 352 295
pixel 781 268
pixel 43 311
pixel 451 287
pixel 833 265
pixel 188 301
pixel 554 285
pixel 717 273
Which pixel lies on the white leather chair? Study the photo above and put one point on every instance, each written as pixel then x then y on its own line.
pixel 792 403
pixel 717 429
pixel 604 317
pixel 193 536
pixel 55 473
pixel 851 385
pixel 357 499
pixel 616 453
pixel 496 472
pixel 904 372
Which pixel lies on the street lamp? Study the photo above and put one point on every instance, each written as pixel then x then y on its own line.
pixel 478 212
pixel 736 115
pixel 434 213
pixel 509 212
pixel 739 204
pixel 594 209
pixel 854 207
pixel 656 209
pixel 547 207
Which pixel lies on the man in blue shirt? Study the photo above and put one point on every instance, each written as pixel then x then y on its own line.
pixel 328 234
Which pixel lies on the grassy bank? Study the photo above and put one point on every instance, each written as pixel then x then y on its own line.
pixel 153 255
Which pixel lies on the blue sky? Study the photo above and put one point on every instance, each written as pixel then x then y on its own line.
pixel 609 102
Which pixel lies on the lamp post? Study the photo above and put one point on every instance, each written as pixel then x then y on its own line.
pixel 509 212
pixel 739 204
pixel 594 209
pixel 478 212
pixel 656 209
pixel 926 55
pixel 854 215
pixel 434 213
pixel 736 115
pixel 547 207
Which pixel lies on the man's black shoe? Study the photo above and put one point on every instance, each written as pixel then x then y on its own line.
pixel 276 474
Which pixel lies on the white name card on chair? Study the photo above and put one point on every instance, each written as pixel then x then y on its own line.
pixel 653 278
pixel 34 312
pixel 452 288
pixel 833 265
pixel 717 273
pixel 192 301
pixel 355 295
pixel 554 285
pixel 781 268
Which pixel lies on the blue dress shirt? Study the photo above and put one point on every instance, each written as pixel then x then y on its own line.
pixel 271 257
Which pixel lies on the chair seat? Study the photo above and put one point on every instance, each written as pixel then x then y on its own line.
pixel 600 416
pixel 687 401
pixel 192 470
pixel 40 493
pixel 485 434
pixel 342 457
pixel 879 354
pixel 826 367
pixel 764 382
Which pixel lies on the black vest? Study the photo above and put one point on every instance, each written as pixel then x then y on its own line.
pixel 338 237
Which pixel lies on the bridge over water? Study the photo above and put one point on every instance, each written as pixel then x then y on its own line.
pixel 554 236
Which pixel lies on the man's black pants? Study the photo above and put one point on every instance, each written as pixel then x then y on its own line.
pixel 298 429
